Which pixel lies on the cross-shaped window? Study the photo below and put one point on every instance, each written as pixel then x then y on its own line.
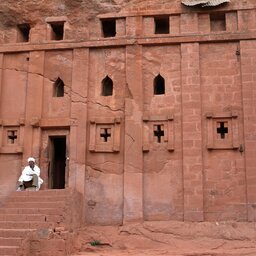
pixel 105 134
pixel 222 129
pixel 158 132
pixel 12 136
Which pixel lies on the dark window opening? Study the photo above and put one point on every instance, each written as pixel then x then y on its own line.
pixel 158 132
pixel 162 25
pixel 108 27
pixel 107 86
pixel 23 32
pixel 159 85
pixel 222 129
pixel 218 22
pixel 12 136
pixel 58 88
pixel 57 31
pixel 105 134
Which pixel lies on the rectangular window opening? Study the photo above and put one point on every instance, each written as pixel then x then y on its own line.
pixel 218 22
pixel 162 25
pixel 108 27
pixel 57 32
pixel 23 32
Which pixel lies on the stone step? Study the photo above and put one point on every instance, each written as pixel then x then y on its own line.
pixel 14 232
pixel 9 250
pixel 10 241
pixel 35 198
pixel 38 204
pixel 47 211
pixel 26 225
pixel 31 217
pixel 47 192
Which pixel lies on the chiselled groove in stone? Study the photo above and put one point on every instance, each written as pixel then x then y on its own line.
pixel 130 136
pixel 131 143
pixel 128 93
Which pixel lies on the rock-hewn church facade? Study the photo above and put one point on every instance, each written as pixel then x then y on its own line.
pixel 146 108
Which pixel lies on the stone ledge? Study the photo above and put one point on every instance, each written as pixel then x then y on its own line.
pixel 152 40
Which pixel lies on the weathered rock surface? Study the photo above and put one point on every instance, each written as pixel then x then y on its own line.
pixel 170 238
pixel 14 12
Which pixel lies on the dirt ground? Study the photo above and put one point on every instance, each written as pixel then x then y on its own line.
pixel 169 238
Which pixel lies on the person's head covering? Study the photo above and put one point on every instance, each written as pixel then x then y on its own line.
pixel 31 159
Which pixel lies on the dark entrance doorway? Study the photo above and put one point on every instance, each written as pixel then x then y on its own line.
pixel 57 162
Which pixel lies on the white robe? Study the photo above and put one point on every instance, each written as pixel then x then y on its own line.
pixel 25 175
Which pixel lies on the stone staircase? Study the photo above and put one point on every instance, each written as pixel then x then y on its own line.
pixel 25 212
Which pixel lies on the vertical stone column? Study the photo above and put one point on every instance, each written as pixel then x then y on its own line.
pixel 192 133
pixel 34 99
pixel 78 128
pixel 1 79
pixel 133 160
pixel 248 69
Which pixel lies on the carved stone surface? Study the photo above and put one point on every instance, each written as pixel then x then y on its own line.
pixel 172 134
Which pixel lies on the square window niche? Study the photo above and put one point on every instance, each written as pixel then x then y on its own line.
pixel 162 25
pixel 158 131
pixel 217 22
pixel 56 28
pixel 23 31
pixel 11 136
pixel 222 131
pixel 105 135
pixel 108 27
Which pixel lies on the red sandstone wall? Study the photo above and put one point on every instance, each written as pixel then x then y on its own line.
pixel 162 184
pixel 209 77
pixel 224 170
pixel 104 170
pixel 57 64
pixel 14 77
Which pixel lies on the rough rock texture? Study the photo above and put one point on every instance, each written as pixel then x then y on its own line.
pixel 169 238
pixel 15 12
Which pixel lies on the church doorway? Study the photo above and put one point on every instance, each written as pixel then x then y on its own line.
pixel 57 162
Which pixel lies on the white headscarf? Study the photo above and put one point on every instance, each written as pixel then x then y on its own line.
pixel 31 159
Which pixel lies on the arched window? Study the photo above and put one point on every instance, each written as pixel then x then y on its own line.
pixel 107 86
pixel 159 85
pixel 58 88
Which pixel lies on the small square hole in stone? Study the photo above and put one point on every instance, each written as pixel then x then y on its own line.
pixel 57 32
pixel 108 27
pixel 23 32
pixel 218 22
pixel 162 25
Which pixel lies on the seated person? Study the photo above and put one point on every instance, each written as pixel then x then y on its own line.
pixel 30 176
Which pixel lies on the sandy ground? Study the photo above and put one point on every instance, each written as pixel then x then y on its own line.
pixel 169 238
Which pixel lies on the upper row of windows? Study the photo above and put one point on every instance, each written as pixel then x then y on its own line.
pixel 107 86
pixel 108 27
pixel 57 31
